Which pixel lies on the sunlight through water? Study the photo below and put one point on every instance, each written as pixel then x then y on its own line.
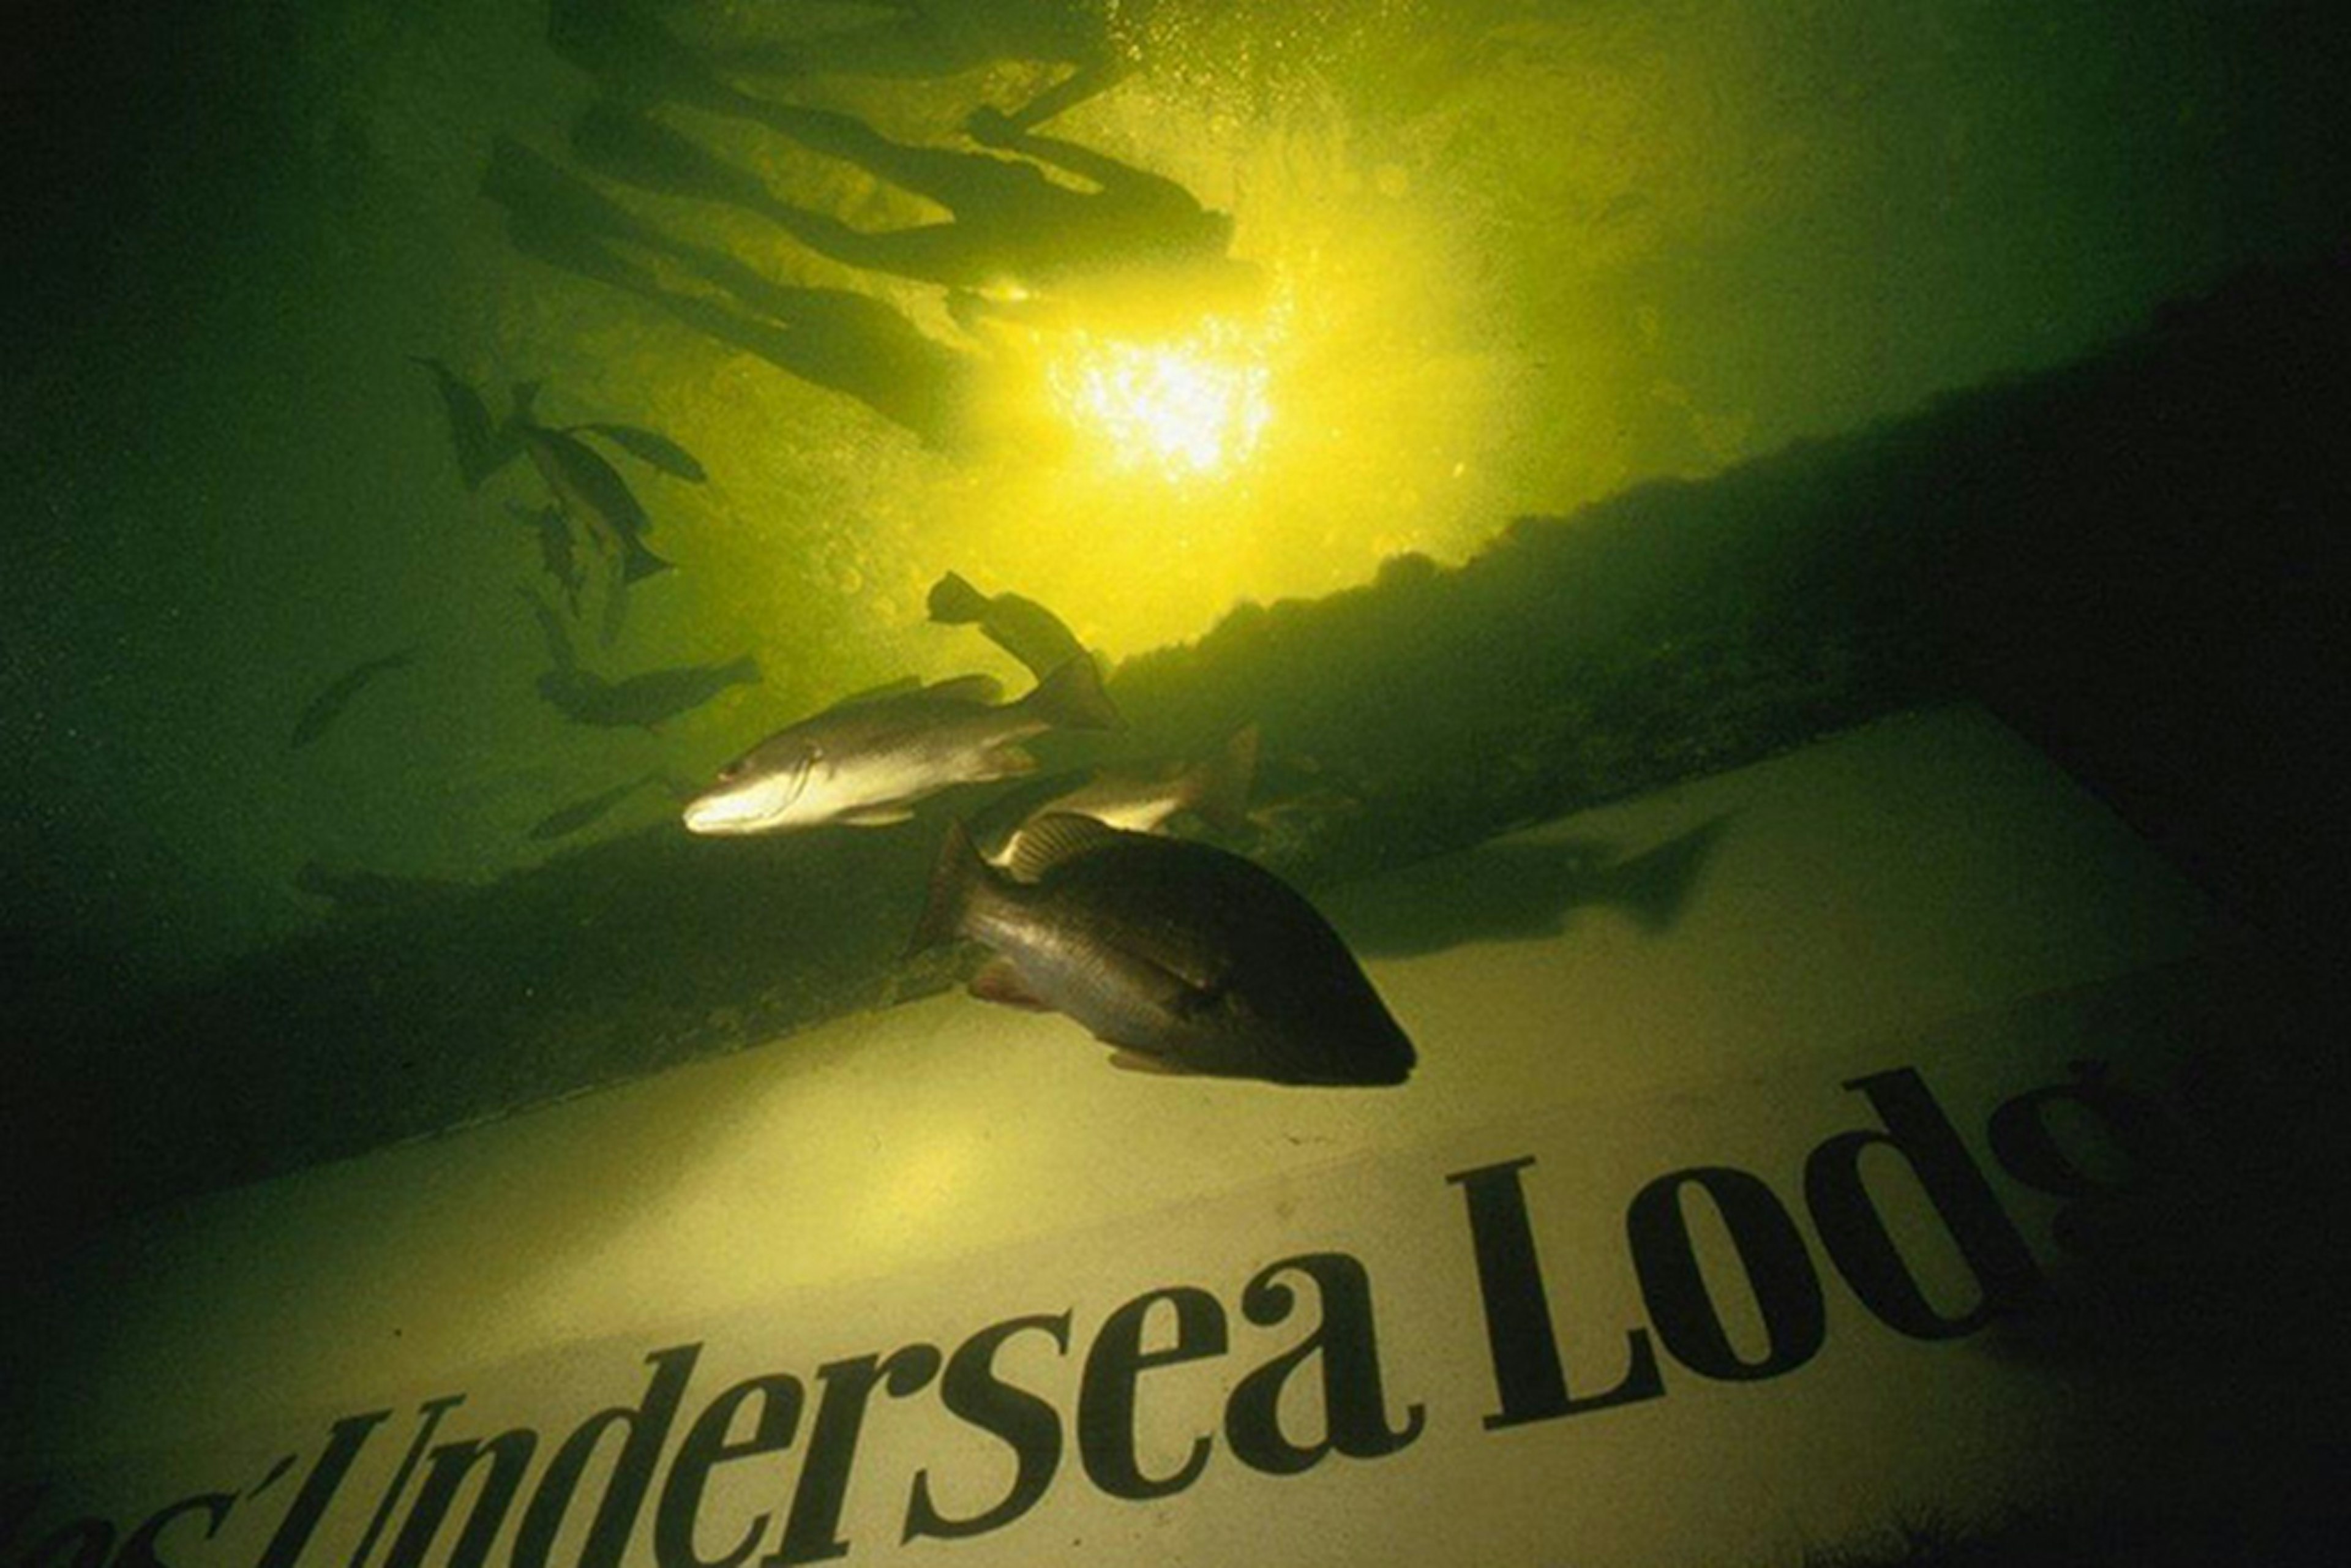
pixel 1188 409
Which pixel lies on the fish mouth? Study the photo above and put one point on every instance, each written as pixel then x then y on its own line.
pixel 756 804
pixel 719 814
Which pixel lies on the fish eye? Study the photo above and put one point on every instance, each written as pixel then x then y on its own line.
pixel 732 771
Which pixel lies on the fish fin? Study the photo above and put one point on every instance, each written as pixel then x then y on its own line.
pixel 1220 792
pixel 652 448
pixel 1127 1060
pixel 876 817
pixel 955 602
pixel 900 687
pixel 640 563
pixel 1010 760
pixel 956 872
pixel 1052 839
pixel 550 627
pixel 1072 697
pixel 616 604
pixel 997 981
pixel 985 689
pixel 469 422
pixel 506 442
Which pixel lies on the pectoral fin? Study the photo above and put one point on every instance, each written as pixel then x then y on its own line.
pixel 876 817
pixel 1009 761
pixel 998 982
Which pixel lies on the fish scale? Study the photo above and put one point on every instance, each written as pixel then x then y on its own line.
pixel 1192 956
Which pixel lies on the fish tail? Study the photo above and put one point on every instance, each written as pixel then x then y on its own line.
pixel 1072 698
pixel 955 602
pixel 954 876
pixel 1220 795
pixel 641 562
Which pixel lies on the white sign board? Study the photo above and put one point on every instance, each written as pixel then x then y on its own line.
pixel 1675 1286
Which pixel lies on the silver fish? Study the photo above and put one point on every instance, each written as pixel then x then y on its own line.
pixel 1185 957
pixel 866 761
pixel 1138 798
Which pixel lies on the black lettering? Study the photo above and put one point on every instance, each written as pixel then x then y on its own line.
pixel 812 1532
pixel 1528 1373
pixel 2141 1132
pixel 83 1543
pixel 138 1550
pixel 647 1427
pixel 1864 1251
pixel 508 1454
pixel 1779 1271
pixel 706 1447
pixel 1354 1407
pixel 1029 1425
pixel 344 1441
pixel 432 1410
pixel 1106 1429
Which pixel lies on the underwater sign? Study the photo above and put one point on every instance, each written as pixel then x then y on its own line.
pixel 1730 1322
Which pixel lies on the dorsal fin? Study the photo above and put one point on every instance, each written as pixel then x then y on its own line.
pixel 980 688
pixel 897 688
pixel 1052 839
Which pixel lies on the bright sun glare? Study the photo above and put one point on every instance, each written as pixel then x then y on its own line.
pixel 1191 407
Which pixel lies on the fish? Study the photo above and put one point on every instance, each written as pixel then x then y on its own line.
pixel 470 431
pixel 644 700
pixel 865 762
pixel 565 821
pixel 623 144
pixel 649 446
pixel 1021 627
pixel 1181 957
pixel 356 891
pixel 482 447
pixel 557 551
pixel 1139 798
pixel 595 497
pixel 328 704
pixel 560 652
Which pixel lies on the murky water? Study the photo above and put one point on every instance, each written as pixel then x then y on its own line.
pixel 1499 259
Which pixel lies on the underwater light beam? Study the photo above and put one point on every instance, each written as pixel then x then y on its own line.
pixel 1188 409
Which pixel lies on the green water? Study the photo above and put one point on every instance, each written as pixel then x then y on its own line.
pixel 1519 257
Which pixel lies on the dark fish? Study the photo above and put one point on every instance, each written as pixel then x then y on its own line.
pixel 1138 798
pixel 638 151
pixel 598 498
pixel 557 551
pixel 868 760
pixel 650 446
pixel 329 704
pixel 1191 958
pixel 366 892
pixel 551 628
pixel 565 821
pixel 470 431
pixel 1021 627
pixel 642 700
